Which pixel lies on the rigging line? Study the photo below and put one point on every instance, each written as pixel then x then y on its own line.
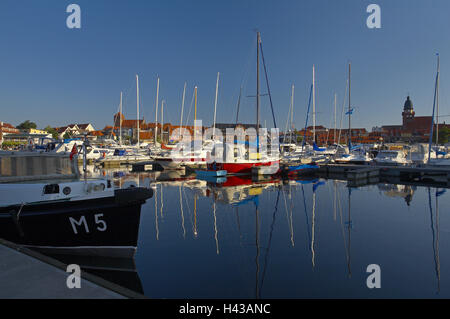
pixel 269 242
pixel 342 226
pixel 257 250
pixel 306 214
pixel 244 78
pixel 287 122
pixel 127 92
pixel 189 207
pixel 433 235
pixel 307 117
pixel 267 83
pixel 190 108
pixel 328 134
pixel 285 207
pixel 238 225
pixel 182 214
pixel 291 221
pixel 156 212
pixel 329 191
pixel 342 113
pixel 437 241
pixel 215 227
pixel 238 105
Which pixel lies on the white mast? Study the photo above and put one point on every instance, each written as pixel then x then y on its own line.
pixel 182 109
pixel 120 120
pixel 292 112
pixel 162 119
pixel 156 113
pixel 437 105
pixel 334 135
pixel 215 105
pixel 314 105
pixel 137 102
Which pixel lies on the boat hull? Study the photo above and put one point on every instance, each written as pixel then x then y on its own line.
pixel 239 168
pixel 106 226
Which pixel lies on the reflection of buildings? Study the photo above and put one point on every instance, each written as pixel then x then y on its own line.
pixel 404 191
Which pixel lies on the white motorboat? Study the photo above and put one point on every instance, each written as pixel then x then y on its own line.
pixel 391 157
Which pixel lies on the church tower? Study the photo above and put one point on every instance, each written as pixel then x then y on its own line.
pixel 408 113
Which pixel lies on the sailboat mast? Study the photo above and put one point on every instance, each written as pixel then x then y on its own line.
pixel 292 112
pixel 349 104
pixel 432 116
pixel 437 104
pixel 195 113
pixel 335 127
pixel 156 112
pixel 120 120
pixel 215 105
pixel 137 104
pixel 257 80
pixel 314 104
pixel 162 119
pixel 182 108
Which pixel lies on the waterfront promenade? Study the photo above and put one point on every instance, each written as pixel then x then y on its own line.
pixel 28 275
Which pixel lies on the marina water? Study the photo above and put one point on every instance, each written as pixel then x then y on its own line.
pixel 289 239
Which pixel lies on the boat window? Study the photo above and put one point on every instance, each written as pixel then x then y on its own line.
pixel 51 189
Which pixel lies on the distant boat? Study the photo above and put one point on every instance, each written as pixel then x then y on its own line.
pixel 391 157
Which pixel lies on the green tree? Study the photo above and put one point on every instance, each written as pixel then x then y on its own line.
pixel 52 131
pixel 67 135
pixel 444 135
pixel 26 125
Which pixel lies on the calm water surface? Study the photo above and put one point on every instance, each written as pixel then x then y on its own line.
pixel 292 239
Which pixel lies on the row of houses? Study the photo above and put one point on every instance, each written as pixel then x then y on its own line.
pixel 413 129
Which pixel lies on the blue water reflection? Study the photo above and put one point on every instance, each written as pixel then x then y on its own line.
pixel 291 239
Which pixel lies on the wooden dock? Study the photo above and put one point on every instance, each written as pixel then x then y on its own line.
pixel 146 166
pixel 368 174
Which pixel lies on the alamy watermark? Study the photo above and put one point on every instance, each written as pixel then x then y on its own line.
pixel 73 21
pixel 374 19
pixel 238 144
pixel 74 279
pixel 374 279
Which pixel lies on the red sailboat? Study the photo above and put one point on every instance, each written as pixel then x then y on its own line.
pixel 236 158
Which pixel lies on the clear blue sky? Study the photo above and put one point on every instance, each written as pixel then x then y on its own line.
pixel 52 75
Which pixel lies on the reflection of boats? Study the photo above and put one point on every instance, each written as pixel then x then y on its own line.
pixel 207 174
pixel 435 234
pixel 404 191
pixel 238 190
pixel 66 215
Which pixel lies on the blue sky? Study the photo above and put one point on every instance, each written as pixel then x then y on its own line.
pixel 53 75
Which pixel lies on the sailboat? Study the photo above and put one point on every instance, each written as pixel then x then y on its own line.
pixel 356 155
pixel 236 158
pixel 442 161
